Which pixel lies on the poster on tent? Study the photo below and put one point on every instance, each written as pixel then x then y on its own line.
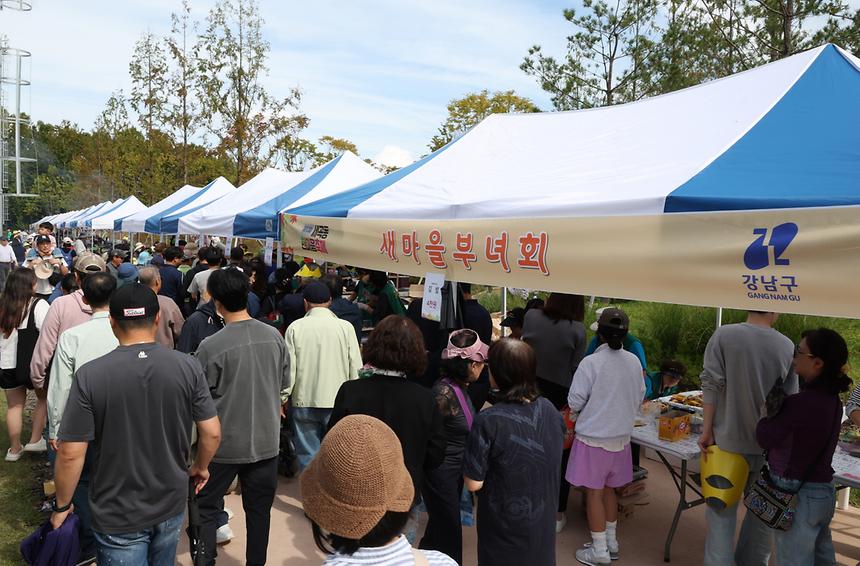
pixel 798 260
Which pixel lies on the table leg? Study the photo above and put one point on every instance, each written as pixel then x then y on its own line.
pixel 842 497
pixel 682 504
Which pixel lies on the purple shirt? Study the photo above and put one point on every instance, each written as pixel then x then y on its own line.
pixel 795 436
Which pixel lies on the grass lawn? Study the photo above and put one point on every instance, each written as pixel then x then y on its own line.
pixel 20 496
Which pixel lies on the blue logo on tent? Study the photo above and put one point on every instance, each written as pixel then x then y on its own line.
pixel 757 255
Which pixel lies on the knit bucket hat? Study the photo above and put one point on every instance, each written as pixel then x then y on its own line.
pixel 357 476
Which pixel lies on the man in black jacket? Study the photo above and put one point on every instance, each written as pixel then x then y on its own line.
pixel 202 323
pixel 343 309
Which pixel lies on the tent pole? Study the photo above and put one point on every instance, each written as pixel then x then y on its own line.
pixel 719 316
pixel 504 309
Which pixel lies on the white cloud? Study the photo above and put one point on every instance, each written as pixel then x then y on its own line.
pixel 393 156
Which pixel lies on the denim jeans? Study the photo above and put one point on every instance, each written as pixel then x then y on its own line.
pixel 808 541
pixel 754 543
pixel 309 426
pixel 155 546
pixel 81 499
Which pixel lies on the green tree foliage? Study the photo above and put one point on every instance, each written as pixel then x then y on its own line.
pixel 329 147
pixel 466 112
pixel 183 111
pixel 625 50
pixel 246 121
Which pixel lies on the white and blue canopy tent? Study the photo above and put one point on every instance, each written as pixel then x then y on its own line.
pixel 83 221
pixel 137 221
pixel 67 222
pixel 742 192
pixel 164 223
pixel 254 212
pixel 105 221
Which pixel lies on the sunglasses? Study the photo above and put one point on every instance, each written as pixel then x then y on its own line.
pixel 797 352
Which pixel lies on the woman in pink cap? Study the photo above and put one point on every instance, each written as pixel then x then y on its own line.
pixel 462 363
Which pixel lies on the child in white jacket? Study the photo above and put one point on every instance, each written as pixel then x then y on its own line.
pixel 606 392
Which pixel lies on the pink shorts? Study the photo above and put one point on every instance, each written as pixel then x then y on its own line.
pixel 596 468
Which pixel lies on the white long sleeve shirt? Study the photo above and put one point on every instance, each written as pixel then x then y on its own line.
pixel 7 255
pixel 607 390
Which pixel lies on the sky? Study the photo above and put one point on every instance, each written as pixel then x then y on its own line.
pixel 377 72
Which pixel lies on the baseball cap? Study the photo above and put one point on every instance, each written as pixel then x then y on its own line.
pixel 89 262
pixel 614 318
pixel 515 317
pixel 126 273
pixel 316 293
pixel 133 301
pixel 40 239
pixel 3 238
pixel 67 240
pixel 116 252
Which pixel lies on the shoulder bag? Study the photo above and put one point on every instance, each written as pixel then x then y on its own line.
pixel 772 504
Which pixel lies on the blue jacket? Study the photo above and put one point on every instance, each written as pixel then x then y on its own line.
pixel 171 284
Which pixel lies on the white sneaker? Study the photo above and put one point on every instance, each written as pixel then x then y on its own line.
pixel 229 513
pixel 587 555
pixel 224 534
pixel 559 524
pixel 13 456
pixel 614 552
pixel 40 446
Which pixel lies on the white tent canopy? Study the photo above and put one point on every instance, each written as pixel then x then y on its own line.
pixel 136 222
pixel 105 221
pixel 253 210
pixel 741 192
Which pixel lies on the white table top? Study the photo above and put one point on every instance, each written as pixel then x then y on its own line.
pixel 845 466
pixel 685 449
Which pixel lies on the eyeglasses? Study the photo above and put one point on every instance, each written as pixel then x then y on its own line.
pixel 797 352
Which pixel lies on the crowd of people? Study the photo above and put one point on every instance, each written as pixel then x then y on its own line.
pixel 180 367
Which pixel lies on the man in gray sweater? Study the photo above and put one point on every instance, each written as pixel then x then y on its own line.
pixel 742 363
pixel 247 367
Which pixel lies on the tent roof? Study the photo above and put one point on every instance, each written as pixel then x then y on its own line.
pixel 762 139
pixel 137 221
pixel 167 223
pixel 67 222
pixel 254 214
pixel 345 171
pixel 105 221
pixel 82 221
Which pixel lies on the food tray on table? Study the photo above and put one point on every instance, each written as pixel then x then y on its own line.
pixel 688 400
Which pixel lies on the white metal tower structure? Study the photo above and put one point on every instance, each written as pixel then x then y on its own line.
pixel 12 82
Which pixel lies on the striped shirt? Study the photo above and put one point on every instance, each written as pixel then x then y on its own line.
pixel 853 403
pixel 398 553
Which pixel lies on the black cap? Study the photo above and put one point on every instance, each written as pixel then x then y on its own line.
pixel 515 317
pixel 614 318
pixel 316 293
pixel 41 239
pixel 133 301
pixel 116 252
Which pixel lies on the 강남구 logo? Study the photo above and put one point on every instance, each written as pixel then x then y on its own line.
pixel 757 255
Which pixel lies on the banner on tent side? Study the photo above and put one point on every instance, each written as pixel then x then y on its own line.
pixel 798 260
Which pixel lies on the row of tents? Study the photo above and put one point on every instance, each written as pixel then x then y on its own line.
pixel 742 192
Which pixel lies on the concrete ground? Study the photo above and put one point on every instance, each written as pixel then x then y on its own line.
pixel 641 535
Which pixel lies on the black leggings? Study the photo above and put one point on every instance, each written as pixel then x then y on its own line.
pixel 441 491
pixel 557 395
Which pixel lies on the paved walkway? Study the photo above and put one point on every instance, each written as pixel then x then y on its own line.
pixel 641 536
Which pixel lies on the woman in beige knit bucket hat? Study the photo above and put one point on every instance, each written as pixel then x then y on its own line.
pixel 358 493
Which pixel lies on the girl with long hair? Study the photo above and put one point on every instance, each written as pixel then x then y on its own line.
pixel 21 316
